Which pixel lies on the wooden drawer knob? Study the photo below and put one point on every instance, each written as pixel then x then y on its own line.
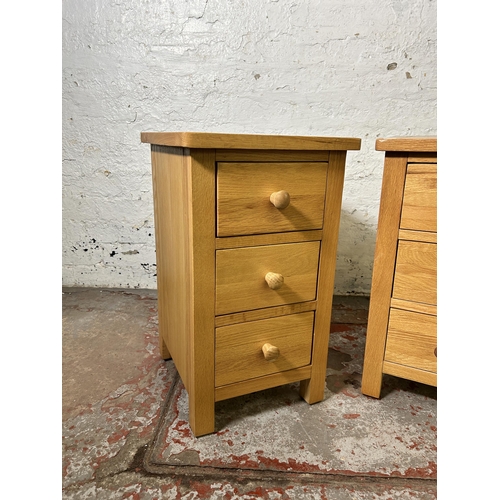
pixel 280 199
pixel 274 280
pixel 271 352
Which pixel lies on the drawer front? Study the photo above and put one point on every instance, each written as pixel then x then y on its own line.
pixel 420 198
pixel 244 191
pixel 238 348
pixel 240 277
pixel 415 278
pixel 412 340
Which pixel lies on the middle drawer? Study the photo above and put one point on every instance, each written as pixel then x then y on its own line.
pixel 415 274
pixel 240 277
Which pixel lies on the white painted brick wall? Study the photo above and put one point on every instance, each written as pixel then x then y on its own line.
pixel 319 67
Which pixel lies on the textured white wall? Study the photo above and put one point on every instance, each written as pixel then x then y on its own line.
pixel 357 68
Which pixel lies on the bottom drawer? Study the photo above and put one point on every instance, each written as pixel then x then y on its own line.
pixel 238 348
pixel 412 340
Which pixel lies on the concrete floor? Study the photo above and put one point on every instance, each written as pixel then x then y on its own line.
pixel 125 434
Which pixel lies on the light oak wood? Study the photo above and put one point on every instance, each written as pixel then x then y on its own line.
pixel 422 376
pixel 171 211
pixel 274 280
pixel 239 355
pixel 271 352
pixel 407 144
pixel 197 266
pixel 261 383
pixel 244 189
pixel 412 340
pixel 280 199
pixel 267 312
pixel 250 141
pixel 185 271
pixel 164 352
pixel 420 198
pixel 408 305
pixel 202 392
pixel 424 236
pixel 415 277
pixel 422 158
pixel 269 155
pixel 240 276
pixel 313 389
pixel 391 200
pixel 268 239
pixel 401 332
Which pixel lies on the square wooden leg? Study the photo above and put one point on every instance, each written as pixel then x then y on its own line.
pixel 313 390
pixel 201 415
pixel 164 352
pixel 372 376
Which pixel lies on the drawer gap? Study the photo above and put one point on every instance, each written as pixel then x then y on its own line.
pixel 267 312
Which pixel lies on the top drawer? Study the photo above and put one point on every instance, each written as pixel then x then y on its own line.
pixel 420 197
pixel 244 190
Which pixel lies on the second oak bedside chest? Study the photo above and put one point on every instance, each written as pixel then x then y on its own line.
pixel 246 236
pixel 401 337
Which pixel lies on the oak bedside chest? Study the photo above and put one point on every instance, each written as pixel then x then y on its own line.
pixel 246 231
pixel 401 337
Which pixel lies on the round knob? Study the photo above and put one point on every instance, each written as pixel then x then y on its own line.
pixel 274 280
pixel 280 199
pixel 436 352
pixel 271 352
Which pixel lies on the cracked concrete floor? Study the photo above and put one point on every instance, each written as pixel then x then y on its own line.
pixel 114 388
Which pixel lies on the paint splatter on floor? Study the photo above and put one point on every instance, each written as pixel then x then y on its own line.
pixel 120 440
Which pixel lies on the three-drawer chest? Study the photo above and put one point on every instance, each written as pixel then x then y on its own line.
pixel 246 230
pixel 401 337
